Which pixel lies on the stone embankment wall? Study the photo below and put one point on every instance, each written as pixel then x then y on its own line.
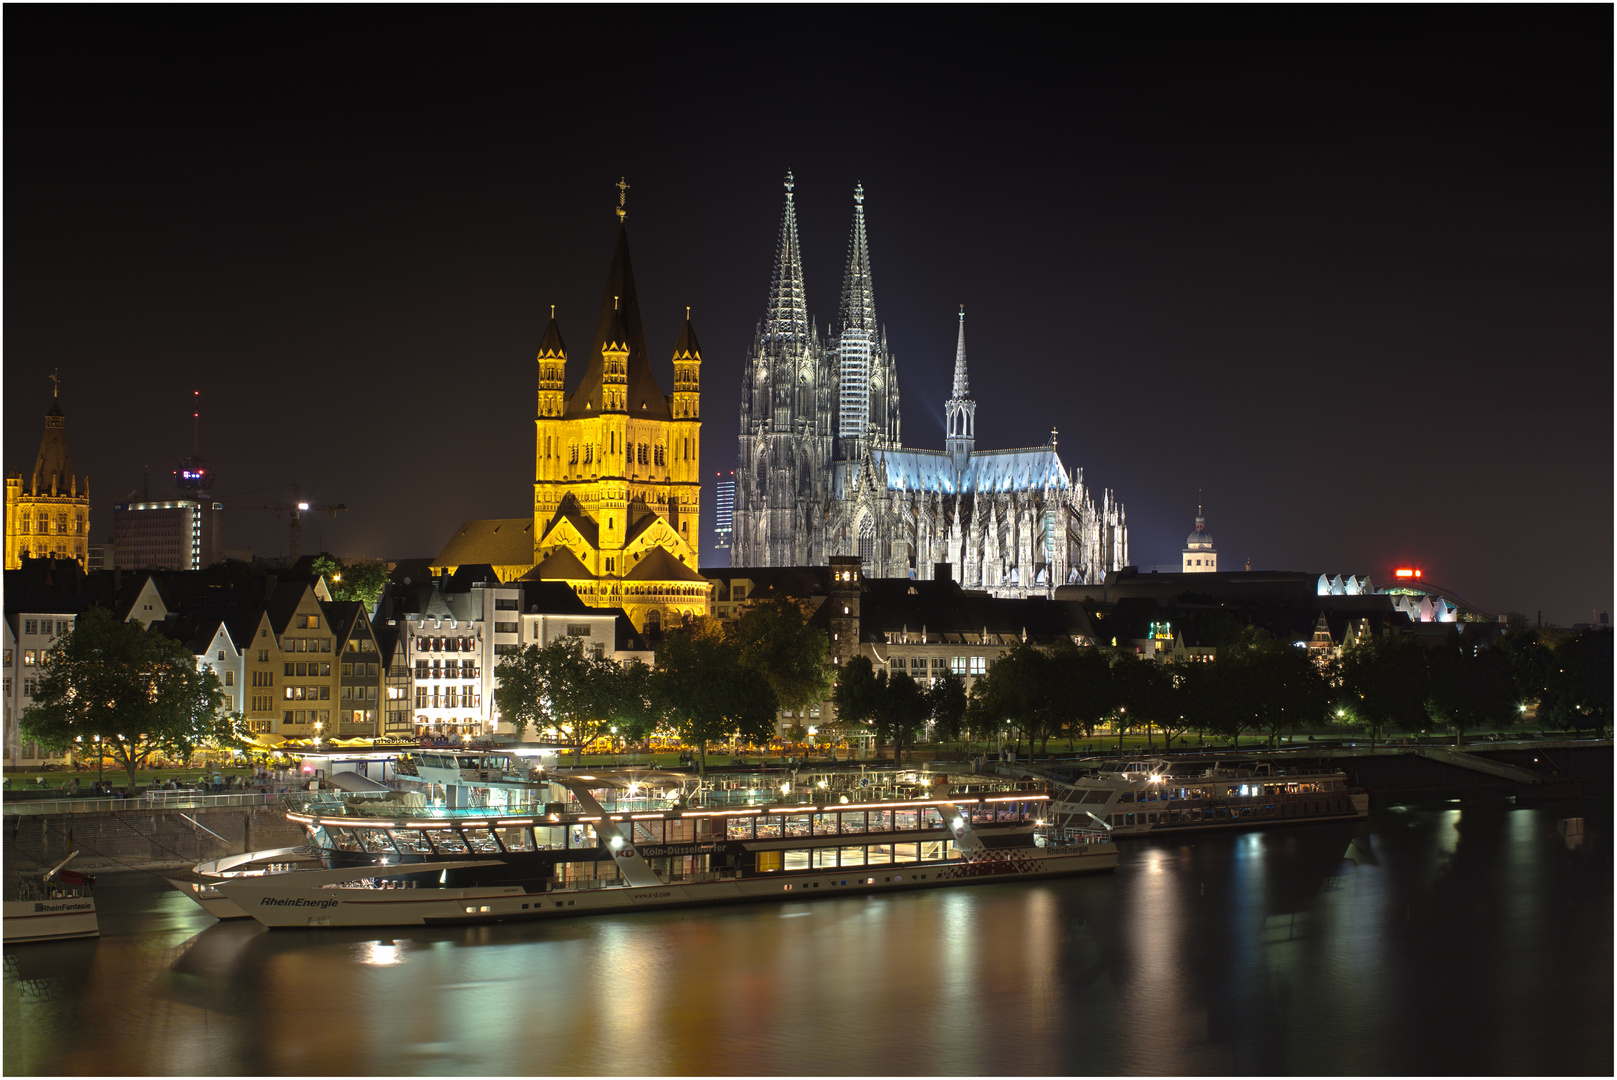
pixel 144 839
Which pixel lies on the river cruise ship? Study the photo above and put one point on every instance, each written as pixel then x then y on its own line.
pixel 1137 798
pixel 52 906
pixel 486 838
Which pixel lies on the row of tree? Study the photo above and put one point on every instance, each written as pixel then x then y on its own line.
pixel 710 683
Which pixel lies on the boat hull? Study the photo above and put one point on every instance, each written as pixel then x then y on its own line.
pixel 208 898
pixel 282 902
pixel 50 920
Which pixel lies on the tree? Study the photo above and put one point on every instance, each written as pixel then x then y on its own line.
pixel 1469 687
pixel 559 687
pixel 139 691
pixel 901 711
pixel 776 640
pixel 1387 682
pixel 362 581
pixel 1146 688
pixel 710 692
pixel 1578 693
pixel 1084 692
pixel 856 695
pixel 946 705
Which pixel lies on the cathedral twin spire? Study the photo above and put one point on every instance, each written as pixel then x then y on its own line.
pixel 786 313
pixel 858 311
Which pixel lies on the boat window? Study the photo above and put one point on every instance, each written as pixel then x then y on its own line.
pixel 549 837
pixel 411 841
pixel 879 854
pixel 797 824
pixel 853 856
pixel 768 827
pixel 825 856
pixel 376 841
pixel 906 852
pixel 907 819
pixel 880 820
pixel 514 838
pixel 825 824
pixel 581 837
pixel 738 828
pixel 318 837
pixel 679 830
pixel 467 762
pixel 343 839
pixel 931 817
pixel 798 859
pixel 982 812
pixel 446 841
pixel 853 821
pixel 482 841
pixel 769 861
pixel 649 831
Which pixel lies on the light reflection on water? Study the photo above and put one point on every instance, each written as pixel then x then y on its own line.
pixel 1442 939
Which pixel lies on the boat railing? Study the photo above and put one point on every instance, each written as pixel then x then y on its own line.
pixel 152 800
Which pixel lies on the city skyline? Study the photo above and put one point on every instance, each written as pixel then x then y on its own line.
pixel 1354 298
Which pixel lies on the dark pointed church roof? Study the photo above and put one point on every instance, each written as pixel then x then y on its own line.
pixel 687 346
pixel 54 462
pixel 553 345
pixel 620 302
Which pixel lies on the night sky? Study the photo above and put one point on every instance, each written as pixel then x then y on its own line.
pixel 1348 273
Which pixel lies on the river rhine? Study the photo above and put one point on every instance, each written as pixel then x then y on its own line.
pixel 1444 938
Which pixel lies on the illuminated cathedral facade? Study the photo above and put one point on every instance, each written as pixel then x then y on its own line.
pixel 822 469
pixel 617 472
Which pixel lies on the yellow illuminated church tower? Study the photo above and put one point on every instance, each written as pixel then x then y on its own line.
pixel 617 468
pixel 48 511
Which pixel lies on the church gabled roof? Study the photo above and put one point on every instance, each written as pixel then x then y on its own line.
pixel 495 541
pixel 570 510
pixel 658 565
pixel 620 302
pixel 986 472
pixel 560 565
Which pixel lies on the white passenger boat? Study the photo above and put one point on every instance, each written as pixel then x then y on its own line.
pixel 52 906
pixel 1137 798
pixel 493 841
pixel 201 884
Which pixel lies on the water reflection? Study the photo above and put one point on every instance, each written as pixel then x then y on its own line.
pixel 1446 939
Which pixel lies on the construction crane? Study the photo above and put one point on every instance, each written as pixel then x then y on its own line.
pixel 298 507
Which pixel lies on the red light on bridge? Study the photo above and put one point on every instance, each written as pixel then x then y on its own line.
pixel 1406 572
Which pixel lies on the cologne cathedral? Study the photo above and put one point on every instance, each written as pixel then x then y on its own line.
pixel 821 469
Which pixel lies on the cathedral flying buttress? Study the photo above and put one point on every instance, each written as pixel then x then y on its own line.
pixel 822 469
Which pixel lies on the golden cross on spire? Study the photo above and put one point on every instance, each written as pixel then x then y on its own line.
pixel 56 388
pixel 623 198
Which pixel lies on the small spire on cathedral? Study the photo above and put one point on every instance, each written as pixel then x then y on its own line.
pixel 552 311
pixel 56 383
pixel 623 198
pixel 859 193
pixel 687 313
pixel 1053 434
pixel 790 183
pixel 614 303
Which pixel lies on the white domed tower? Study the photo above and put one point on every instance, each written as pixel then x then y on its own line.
pixel 1200 555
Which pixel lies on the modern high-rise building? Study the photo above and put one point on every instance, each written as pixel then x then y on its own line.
pixel 48 512
pixel 171 534
pixel 821 469
pixel 724 504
